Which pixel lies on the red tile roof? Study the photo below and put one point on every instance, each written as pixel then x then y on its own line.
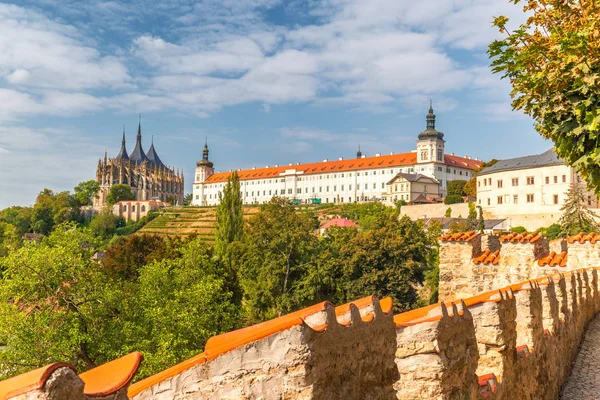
pixel 341 222
pixel 521 237
pixel 488 257
pixel 554 259
pixel 459 237
pixel 352 164
pixel 582 237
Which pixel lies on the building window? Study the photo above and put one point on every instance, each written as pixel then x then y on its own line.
pixel 320 189
pixel 395 188
pixel 499 199
pixel 460 172
pixel 440 156
pixel 374 186
pixel 383 185
pixel 515 181
pixel 555 199
pixel 327 189
pixel 299 191
pixel 515 199
pixel 489 202
pixel 564 179
pixel 440 169
pixel 282 191
pixel 530 180
pixel 342 188
pixel 289 191
pixel 197 197
pixel 335 188
pixel 350 188
pixel 143 208
pixel 132 208
pixel 478 183
pixel 547 180
pixel 555 179
pixel 447 170
pixel 423 154
pixel 499 183
pixel 530 198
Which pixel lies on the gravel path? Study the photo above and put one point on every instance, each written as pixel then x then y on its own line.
pixel 584 382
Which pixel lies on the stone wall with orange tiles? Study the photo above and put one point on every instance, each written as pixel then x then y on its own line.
pixel 460 276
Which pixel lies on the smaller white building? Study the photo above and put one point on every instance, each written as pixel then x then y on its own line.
pixel 529 191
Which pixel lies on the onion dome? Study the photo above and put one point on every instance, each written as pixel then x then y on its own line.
pixel 205 162
pixel 431 132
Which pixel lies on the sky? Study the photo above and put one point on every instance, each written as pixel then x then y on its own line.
pixel 265 81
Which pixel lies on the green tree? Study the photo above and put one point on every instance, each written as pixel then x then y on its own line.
pixel 390 259
pixel 18 216
pixel 118 193
pixel 553 64
pixel 518 229
pixel 456 188
pixel 180 303
pixel 230 217
pixel 104 225
pixel 58 305
pixel 472 216
pixel 453 199
pixel 10 238
pixel 480 222
pixel 85 192
pixel 277 247
pixel 126 255
pixel 187 199
pixel 576 217
pixel 448 213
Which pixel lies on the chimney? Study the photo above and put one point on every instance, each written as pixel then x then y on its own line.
pixel 253 168
pixel 378 155
pixel 325 160
pixel 364 156
pixel 291 164
pixel 340 159
pixel 266 166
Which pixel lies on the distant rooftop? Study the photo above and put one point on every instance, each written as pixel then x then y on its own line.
pixel 536 161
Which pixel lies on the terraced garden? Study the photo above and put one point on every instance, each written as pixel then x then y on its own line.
pixel 186 221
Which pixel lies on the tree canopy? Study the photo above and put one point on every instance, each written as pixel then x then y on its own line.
pixel 118 193
pixel 553 64
pixel 230 217
pixel 85 192
pixel 576 217
pixel 456 188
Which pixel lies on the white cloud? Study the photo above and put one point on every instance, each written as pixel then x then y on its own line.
pixel 38 52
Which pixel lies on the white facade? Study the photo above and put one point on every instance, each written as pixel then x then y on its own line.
pixel 528 191
pixel 339 181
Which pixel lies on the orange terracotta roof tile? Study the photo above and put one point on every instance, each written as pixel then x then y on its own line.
pixel 488 257
pixel 459 237
pixel 112 376
pixel 29 381
pixel 487 384
pixel 523 351
pixel 582 237
pixel 554 259
pixel 521 237
pixel 345 165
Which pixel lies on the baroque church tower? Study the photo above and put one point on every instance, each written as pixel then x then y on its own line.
pixel 430 144
pixel 204 169
pixel 146 174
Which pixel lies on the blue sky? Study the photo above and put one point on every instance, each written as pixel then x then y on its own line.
pixel 267 81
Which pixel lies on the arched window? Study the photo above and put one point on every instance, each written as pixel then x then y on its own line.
pixel 132 208
pixel 143 208
pixel 424 154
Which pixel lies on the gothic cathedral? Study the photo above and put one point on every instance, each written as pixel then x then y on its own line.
pixel 145 173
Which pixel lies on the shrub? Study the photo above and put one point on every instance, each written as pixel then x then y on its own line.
pixel 453 199
pixel 518 229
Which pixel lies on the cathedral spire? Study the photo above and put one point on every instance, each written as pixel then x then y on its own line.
pixel 138 155
pixel 358 153
pixel 123 152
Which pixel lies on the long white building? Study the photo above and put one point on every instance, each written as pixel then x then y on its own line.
pixel 357 179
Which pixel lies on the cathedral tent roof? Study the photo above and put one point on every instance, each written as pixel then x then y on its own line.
pixel 138 155
pixel 123 153
pixel 153 156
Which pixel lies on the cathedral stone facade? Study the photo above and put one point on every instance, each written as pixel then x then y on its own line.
pixel 145 173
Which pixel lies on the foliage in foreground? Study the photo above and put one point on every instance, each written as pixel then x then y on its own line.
pixel 56 304
pixel 576 217
pixel 553 64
